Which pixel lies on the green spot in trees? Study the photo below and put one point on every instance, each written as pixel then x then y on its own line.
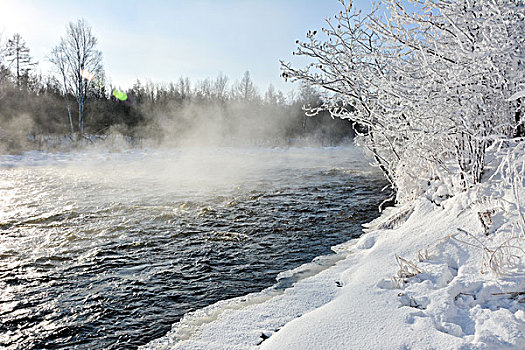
pixel 120 95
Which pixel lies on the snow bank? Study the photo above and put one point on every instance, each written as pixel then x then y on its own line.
pixel 434 296
pixel 424 276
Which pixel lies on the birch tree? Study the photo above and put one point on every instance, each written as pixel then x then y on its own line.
pixel 76 53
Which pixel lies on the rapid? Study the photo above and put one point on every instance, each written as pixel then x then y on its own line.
pixel 102 250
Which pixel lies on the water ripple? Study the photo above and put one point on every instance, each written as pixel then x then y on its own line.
pixel 108 254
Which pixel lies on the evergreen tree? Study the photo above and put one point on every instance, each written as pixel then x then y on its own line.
pixel 18 58
pixel 246 90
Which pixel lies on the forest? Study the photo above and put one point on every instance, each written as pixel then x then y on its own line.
pixel 73 104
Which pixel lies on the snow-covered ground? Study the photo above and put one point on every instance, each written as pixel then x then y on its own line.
pixel 424 276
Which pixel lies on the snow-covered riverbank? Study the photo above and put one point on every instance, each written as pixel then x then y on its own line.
pixel 448 303
pixel 424 276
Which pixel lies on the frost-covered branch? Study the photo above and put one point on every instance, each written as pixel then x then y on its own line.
pixel 428 83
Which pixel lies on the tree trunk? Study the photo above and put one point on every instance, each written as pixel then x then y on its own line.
pixel 80 101
pixel 520 129
pixel 70 118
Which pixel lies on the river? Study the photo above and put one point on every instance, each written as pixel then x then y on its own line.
pixel 103 250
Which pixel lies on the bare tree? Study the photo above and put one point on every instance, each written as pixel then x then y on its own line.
pixel 220 87
pixel 270 96
pixel 3 69
pixel 17 54
pixel 203 89
pixel 59 59
pixel 246 90
pixel 184 87
pixel 76 53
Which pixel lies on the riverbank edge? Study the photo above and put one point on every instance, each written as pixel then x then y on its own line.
pixel 420 277
pixel 427 276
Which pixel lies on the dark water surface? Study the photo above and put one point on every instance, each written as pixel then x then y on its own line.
pixel 107 251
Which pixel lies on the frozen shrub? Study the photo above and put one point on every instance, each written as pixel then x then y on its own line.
pixel 430 85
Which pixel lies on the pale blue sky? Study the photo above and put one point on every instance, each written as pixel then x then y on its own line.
pixel 162 40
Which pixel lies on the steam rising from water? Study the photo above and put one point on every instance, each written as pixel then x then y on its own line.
pixel 242 124
pixel 101 250
pixel 183 171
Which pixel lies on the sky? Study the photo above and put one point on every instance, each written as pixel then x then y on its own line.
pixel 162 40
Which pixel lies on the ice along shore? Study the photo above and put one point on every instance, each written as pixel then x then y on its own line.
pixel 427 275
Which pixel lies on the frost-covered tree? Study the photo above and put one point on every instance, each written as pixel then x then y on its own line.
pixel 75 53
pixel 270 96
pixel 274 97
pixel 220 88
pixel 459 62
pixel 184 87
pixel 203 89
pixel 428 81
pixel 245 90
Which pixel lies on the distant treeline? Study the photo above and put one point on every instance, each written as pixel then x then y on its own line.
pixel 211 111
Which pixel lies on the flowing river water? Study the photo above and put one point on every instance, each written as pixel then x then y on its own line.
pixel 104 250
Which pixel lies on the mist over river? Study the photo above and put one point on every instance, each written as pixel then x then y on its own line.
pixel 106 250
